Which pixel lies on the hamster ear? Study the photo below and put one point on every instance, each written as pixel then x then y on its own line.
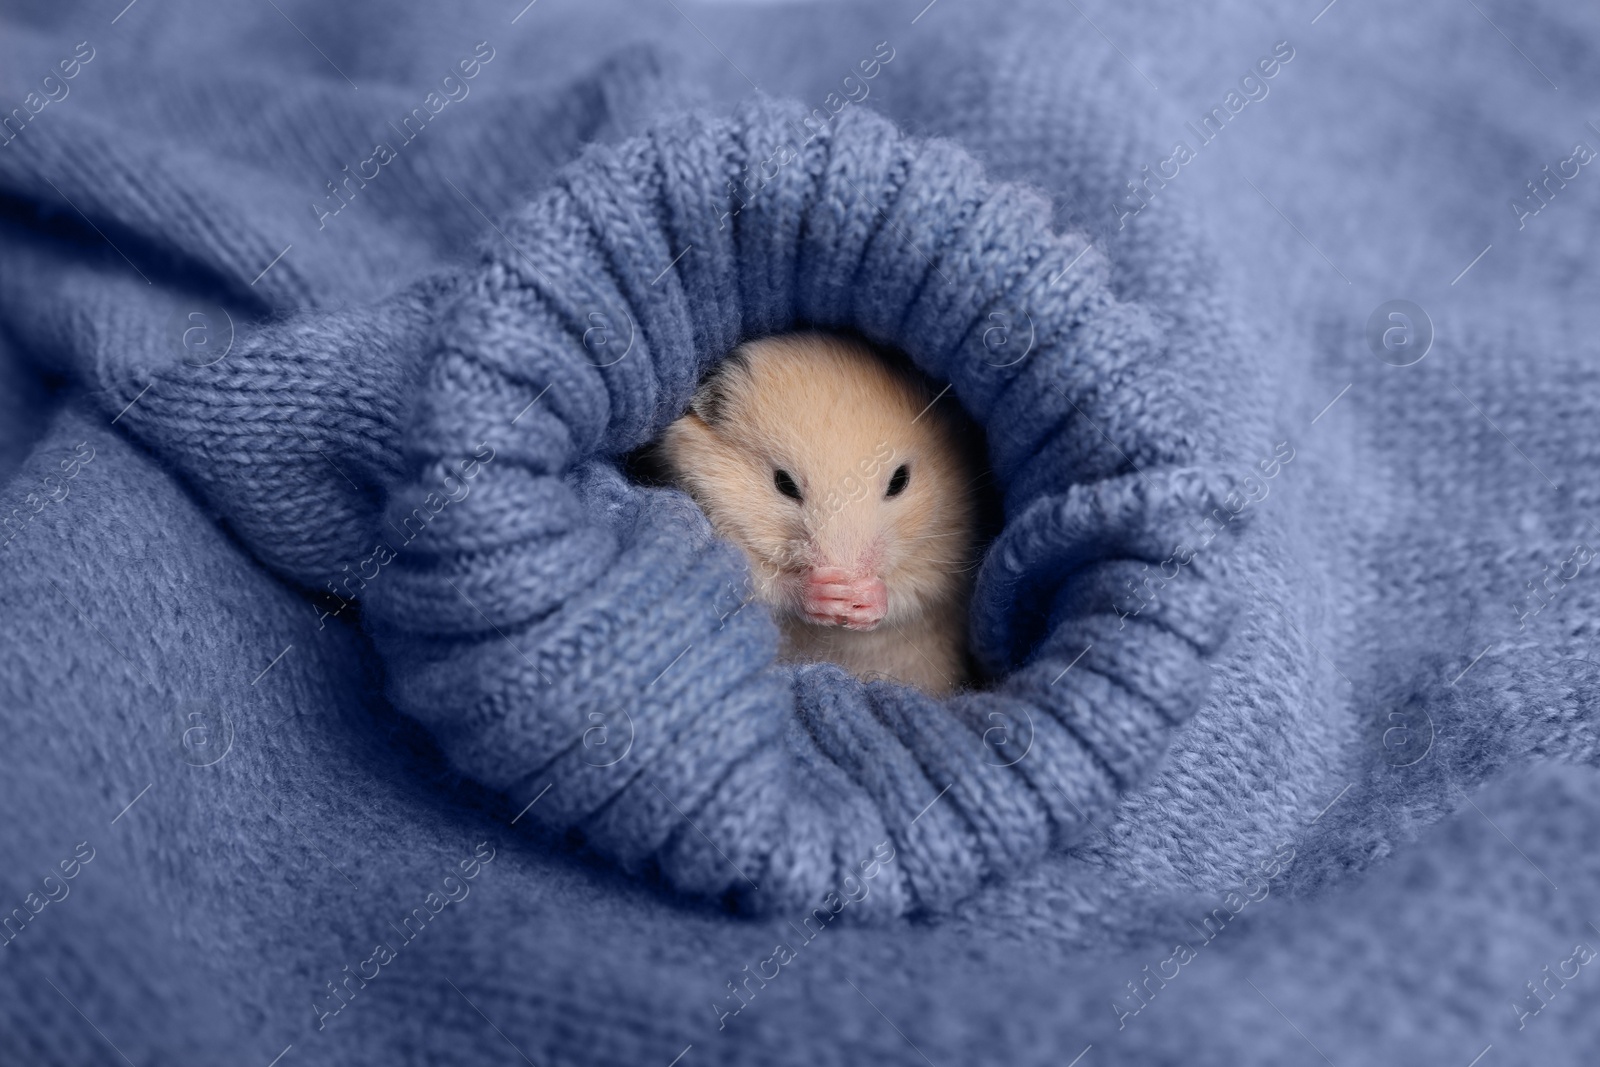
pixel 711 399
pixel 709 402
pixel 685 447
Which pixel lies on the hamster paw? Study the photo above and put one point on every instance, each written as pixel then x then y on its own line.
pixel 834 597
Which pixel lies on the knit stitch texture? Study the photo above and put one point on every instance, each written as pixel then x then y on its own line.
pixel 333 617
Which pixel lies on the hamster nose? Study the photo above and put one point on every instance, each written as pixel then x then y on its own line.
pixel 834 596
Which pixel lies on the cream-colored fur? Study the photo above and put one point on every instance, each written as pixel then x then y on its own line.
pixel 840 421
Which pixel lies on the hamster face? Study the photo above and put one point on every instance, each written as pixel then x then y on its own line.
pixel 848 488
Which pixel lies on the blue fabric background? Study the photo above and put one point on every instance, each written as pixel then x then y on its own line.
pixel 1393 745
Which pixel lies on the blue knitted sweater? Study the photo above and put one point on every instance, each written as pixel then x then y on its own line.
pixel 360 708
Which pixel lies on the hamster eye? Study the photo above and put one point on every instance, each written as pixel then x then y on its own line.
pixel 786 484
pixel 898 481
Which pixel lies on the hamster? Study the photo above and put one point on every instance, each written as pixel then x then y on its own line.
pixel 851 488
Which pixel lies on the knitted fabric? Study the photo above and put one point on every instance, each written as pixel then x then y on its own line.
pixel 358 632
